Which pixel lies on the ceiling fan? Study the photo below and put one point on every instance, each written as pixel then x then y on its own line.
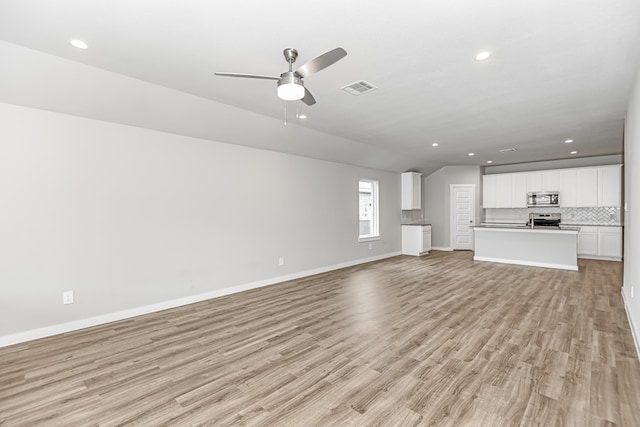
pixel 290 84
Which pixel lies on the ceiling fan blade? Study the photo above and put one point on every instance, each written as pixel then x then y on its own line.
pixel 308 98
pixel 321 62
pixel 247 76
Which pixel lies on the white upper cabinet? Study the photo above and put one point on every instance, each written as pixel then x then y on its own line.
pixel 504 190
pixel 534 182
pixel 597 186
pixel 411 191
pixel 587 188
pixel 518 190
pixel 490 191
pixel 609 185
pixel 568 188
pixel 550 180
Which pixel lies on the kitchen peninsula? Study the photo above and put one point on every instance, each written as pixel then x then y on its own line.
pixel 550 247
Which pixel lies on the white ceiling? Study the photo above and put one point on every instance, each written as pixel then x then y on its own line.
pixel 558 70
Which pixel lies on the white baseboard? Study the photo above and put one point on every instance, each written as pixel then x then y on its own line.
pixel 600 258
pixel 636 338
pixel 62 328
pixel 441 248
pixel 527 263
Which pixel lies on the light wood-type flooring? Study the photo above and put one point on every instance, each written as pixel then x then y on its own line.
pixel 438 340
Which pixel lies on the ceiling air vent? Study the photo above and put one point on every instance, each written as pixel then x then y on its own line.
pixel 359 87
pixel 507 150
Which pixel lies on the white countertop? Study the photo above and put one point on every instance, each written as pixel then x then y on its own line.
pixel 563 229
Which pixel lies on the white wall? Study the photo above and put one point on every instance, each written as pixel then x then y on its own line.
pixel 437 199
pixel 632 215
pixel 128 217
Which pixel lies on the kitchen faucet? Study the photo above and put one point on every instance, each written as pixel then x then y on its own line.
pixel 531 219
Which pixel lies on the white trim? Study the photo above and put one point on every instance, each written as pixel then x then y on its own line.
pixel 529 263
pixel 368 239
pixel 375 195
pixel 636 338
pixel 441 248
pixel 61 328
pixel 601 258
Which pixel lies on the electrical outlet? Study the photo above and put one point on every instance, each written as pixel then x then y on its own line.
pixel 370 246
pixel 281 261
pixel 67 297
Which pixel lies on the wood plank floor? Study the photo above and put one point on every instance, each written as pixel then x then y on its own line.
pixel 435 341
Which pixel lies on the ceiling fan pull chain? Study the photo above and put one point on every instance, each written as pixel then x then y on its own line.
pixel 285 113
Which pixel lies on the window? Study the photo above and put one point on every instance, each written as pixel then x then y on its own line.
pixel 368 199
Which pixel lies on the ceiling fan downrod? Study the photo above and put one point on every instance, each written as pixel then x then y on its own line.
pixel 290 55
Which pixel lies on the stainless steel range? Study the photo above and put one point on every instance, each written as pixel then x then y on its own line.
pixel 544 220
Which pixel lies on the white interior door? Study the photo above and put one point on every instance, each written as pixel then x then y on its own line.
pixel 463 213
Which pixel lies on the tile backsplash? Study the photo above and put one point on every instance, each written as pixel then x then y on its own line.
pixel 410 217
pixel 583 216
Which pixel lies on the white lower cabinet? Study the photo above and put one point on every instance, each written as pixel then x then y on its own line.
pixel 600 243
pixel 610 242
pixel 416 239
pixel 426 238
pixel 588 241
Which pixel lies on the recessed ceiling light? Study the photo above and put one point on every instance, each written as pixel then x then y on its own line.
pixel 481 56
pixel 489 161
pixel 574 152
pixel 79 44
pixel 302 116
pixel 568 141
pixel 435 144
pixel 472 154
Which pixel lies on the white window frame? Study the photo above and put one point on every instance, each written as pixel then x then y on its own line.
pixel 375 212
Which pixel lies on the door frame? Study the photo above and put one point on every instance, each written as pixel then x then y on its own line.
pixel 452 222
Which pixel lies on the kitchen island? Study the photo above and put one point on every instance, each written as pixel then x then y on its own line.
pixel 550 247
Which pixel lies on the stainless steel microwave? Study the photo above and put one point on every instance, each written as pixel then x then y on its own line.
pixel 546 198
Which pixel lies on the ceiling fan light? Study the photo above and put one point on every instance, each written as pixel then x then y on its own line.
pixel 290 91
pixel 290 87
